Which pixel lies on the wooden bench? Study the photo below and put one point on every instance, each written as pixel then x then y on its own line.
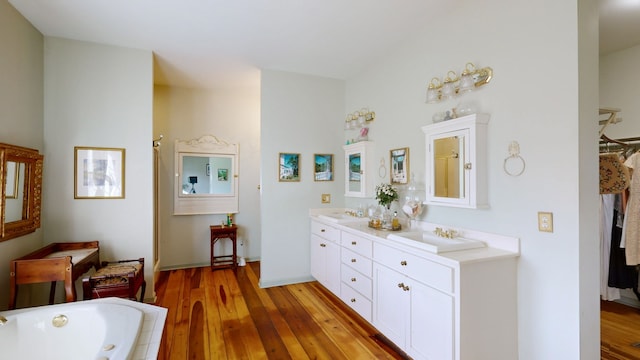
pixel 54 262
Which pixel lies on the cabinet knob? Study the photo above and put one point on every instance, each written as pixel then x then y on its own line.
pixel 323 245
pixel 403 263
pixel 353 279
pixel 353 300
pixel 353 260
pixel 467 166
pixel 321 230
pixel 353 243
pixel 401 285
pixel 405 288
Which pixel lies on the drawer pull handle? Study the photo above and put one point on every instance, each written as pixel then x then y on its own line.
pixel 322 230
pixel 353 279
pixel 403 263
pixel 353 243
pixel 323 245
pixel 353 260
pixel 353 300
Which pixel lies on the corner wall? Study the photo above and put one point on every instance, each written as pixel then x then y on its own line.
pixel 21 111
pixel 99 96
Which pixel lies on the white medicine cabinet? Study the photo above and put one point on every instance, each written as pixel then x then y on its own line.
pixel 456 164
pixel 358 162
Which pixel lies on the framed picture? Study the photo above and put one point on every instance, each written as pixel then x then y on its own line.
pixel 323 167
pixel 289 167
pixel 223 174
pixel 98 173
pixel 400 166
pixel 13 178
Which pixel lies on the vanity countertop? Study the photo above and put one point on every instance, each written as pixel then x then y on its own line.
pixel 497 246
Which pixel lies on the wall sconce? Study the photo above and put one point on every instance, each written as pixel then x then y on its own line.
pixel 470 79
pixel 358 119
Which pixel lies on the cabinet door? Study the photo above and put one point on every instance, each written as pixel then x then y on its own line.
pixel 332 267
pixel 358 169
pixel 391 304
pixel 318 258
pixel 325 263
pixel 431 331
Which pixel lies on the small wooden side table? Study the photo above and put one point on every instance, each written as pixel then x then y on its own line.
pixel 224 261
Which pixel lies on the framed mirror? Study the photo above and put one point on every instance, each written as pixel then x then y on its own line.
pixel 206 176
pixel 21 179
pixel 456 164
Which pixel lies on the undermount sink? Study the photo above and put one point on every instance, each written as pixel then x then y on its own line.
pixel 436 244
pixel 340 217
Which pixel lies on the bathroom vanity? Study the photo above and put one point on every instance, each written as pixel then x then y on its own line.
pixel 434 297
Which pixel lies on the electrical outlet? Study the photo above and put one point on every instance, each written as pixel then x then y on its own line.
pixel 326 198
pixel 545 221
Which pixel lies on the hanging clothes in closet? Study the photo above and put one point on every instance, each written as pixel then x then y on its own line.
pixel 614 274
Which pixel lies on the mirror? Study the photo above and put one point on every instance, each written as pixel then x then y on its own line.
pixel 206 180
pixel 21 177
pixel 448 167
pixel 456 164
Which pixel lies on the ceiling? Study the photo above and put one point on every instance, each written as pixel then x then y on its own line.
pixel 222 43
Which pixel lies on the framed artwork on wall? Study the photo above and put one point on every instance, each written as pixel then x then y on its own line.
pixel 289 167
pixel 323 167
pixel 400 166
pixel 98 173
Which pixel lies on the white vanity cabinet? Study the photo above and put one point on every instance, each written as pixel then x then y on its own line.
pixel 357 271
pixel 456 164
pixel 325 255
pixel 414 306
pixel 359 169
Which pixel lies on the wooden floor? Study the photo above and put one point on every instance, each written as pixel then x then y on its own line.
pixel 222 315
pixel 619 331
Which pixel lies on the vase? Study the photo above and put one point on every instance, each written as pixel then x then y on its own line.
pixel 387 216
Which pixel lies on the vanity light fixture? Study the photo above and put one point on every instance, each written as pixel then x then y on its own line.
pixel 471 78
pixel 359 119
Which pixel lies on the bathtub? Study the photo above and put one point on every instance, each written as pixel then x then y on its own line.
pixel 96 329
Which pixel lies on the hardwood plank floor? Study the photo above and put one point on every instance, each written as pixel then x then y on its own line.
pixel 619 331
pixel 225 315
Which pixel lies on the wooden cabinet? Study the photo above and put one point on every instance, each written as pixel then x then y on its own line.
pixel 325 255
pixel 359 169
pixel 413 313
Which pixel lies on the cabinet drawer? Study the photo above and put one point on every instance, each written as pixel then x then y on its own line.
pixel 357 244
pixel 356 301
pixel 357 261
pixel 423 270
pixel 326 231
pixel 357 281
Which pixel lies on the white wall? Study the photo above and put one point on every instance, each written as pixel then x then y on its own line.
pixel 300 114
pixel 21 109
pixel 232 115
pixel 533 99
pixel 619 81
pixel 102 96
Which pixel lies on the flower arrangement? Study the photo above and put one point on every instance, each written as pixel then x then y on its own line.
pixel 386 194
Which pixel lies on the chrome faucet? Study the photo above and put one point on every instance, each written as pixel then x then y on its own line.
pixel 3 320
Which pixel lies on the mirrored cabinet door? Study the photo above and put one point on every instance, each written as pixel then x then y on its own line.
pixel 358 170
pixel 456 164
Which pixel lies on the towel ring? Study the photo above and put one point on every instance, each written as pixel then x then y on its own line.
pixel 518 162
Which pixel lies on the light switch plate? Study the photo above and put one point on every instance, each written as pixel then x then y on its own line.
pixel 326 198
pixel 545 221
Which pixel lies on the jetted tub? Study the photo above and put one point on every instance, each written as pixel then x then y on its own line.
pixel 79 330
